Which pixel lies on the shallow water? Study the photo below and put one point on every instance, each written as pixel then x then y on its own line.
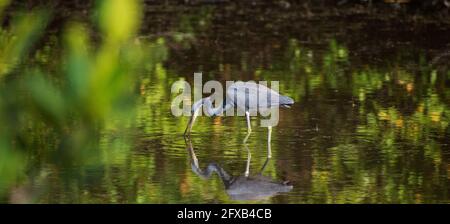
pixel 370 123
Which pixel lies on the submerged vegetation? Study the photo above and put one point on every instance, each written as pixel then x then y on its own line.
pixel 85 107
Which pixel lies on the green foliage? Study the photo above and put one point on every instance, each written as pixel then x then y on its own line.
pixel 17 41
pixel 92 89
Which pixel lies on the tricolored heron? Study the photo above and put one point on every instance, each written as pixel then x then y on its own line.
pixel 246 97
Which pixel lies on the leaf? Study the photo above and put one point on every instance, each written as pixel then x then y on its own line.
pixel 46 97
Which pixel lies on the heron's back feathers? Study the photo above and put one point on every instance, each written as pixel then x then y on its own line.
pixel 252 95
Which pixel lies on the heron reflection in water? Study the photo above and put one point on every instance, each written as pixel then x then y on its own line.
pixel 242 187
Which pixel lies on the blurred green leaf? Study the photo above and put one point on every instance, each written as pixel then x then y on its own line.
pixel 18 41
pixel 47 97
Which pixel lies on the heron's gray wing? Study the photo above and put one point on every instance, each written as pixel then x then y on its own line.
pixel 241 92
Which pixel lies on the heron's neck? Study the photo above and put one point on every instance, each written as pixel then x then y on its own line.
pixel 213 111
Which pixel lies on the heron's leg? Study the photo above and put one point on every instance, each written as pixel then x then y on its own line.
pixel 249 126
pixel 269 151
pixel 249 157
pixel 246 137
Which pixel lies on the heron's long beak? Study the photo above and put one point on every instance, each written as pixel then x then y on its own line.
pixel 195 110
pixel 187 132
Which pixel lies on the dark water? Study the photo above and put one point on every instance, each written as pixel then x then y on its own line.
pixel 370 123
